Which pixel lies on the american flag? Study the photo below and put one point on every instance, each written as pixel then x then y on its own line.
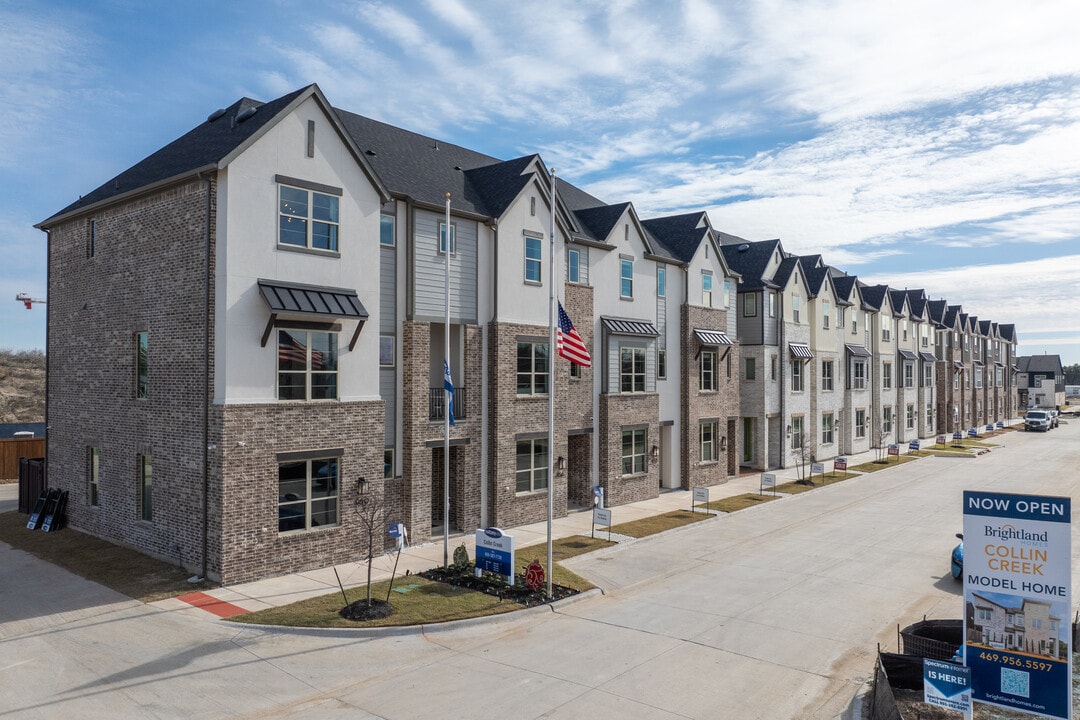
pixel 568 343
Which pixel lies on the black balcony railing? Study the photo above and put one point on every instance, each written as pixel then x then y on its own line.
pixel 437 398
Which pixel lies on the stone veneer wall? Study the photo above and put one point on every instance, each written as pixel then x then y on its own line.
pixel 697 404
pixel 251 545
pixel 616 412
pixel 148 274
pixel 577 398
pixel 511 415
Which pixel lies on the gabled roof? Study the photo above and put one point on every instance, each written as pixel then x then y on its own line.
pixel 679 235
pixel 202 148
pixel 898 298
pixel 1040 363
pixel 873 295
pixel 788 266
pixel 917 301
pixel 1008 332
pixel 600 221
pixel 844 285
pixel 750 259
pixel 816 278
pixel 498 185
pixel 984 327
pixel 936 311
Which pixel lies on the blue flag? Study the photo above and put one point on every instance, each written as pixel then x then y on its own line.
pixel 449 385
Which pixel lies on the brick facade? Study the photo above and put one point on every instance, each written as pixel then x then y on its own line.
pixel 619 412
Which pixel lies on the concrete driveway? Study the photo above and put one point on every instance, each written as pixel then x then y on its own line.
pixel 773 612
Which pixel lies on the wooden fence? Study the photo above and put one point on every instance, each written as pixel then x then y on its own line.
pixel 11 449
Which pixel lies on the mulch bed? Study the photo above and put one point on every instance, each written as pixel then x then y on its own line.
pixel 464 576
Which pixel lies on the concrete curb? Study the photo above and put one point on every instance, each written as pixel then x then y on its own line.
pixel 422 629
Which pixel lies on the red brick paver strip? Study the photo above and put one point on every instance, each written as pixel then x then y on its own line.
pixel 212 604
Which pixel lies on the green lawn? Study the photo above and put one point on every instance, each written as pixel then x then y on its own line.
pixel 659 523
pixel 740 502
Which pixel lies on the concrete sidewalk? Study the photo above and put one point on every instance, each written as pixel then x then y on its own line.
pixel 529 539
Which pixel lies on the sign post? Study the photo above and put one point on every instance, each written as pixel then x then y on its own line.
pixel 1017 604
pixel 701 495
pixel 767 480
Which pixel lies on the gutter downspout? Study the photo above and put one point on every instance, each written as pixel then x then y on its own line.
pixel 48 323
pixel 782 362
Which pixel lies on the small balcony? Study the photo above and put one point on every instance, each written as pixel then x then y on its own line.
pixel 436 402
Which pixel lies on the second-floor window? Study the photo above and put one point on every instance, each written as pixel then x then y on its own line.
pixel 749 305
pixel 661 281
pixel 978 377
pixel 928 375
pixel 796 375
pixel 858 373
pixel 307 218
pixel 573 266
pixel 631 369
pixel 386 229
pixel 708 370
pixel 706 288
pixel 854 322
pixel 661 364
pixel 307 365
pixel 826 374
pixel 886 375
pixel 751 368
pixel 727 293
pixel 532 368
pixel 533 251
pixel 886 331
pixel 909 375
pixel 626 278
pixel 825 314
pixel 442 239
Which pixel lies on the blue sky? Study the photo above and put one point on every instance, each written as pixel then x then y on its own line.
pixel 919 144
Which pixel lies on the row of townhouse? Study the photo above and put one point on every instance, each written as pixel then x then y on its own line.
pixel 833 366
pixel 247 331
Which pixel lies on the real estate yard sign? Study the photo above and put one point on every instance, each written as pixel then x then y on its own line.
pixel 1017 587
pixel 495 553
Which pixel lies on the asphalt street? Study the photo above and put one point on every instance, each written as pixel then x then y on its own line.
pixel 771 612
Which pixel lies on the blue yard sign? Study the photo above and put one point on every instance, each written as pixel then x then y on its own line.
pixel 495 553
pixel 1017 606
pixel 947 685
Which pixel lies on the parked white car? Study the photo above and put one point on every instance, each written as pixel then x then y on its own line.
pixel 1037 420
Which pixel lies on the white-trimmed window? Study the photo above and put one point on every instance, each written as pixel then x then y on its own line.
pixel 796 432
pixel 911 418
pixel 886 419
pixel 909 374
pixel 633 451
pixel 886 331
pixel 860 423
pixel 661 281
pixel 727 293
pixel 442 239
pixel 533 368
pixel 386 230
pixel 532 465
pixel 708 441
pixel 797 375
pixel 929 414
pixel 749 305
pixel 772 304
pixel 886 375
pixel 142 365
pixel 631 369
pixel 308 493
pixel 93 474
pixel 827 428
pixel 709 367
pixel 795 308
pixel 626 278
pixel 533 264
pixel 928 375
pixel 978 376
pixel 706 288
pixel 854 321
pixel 386 350
pixel 307 218
pixel 826 374
pixel 825 314
pixel 307 365
pixel 858 374
pixel 146 487
pixel 573 266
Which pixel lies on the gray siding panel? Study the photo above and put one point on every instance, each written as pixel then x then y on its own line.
pixel 749 327
pixel 430 269
pixel 387 290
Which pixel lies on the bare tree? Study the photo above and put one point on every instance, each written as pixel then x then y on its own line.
pixel 371 512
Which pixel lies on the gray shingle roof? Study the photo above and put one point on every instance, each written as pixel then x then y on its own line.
pixel 750 261
pixel 678 234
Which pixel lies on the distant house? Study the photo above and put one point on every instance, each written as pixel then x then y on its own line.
pixel 1040 381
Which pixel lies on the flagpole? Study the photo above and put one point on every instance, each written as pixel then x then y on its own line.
pixel 446 400
pixel 551 387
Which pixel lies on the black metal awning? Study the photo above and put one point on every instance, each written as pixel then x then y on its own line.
pixel 857 350
pixel 711 337
pixel 958 365
pixel 329 302
pixel 928 357
pixel 977 363
pixel 317 302
pixel 623 326
pixel 801 351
